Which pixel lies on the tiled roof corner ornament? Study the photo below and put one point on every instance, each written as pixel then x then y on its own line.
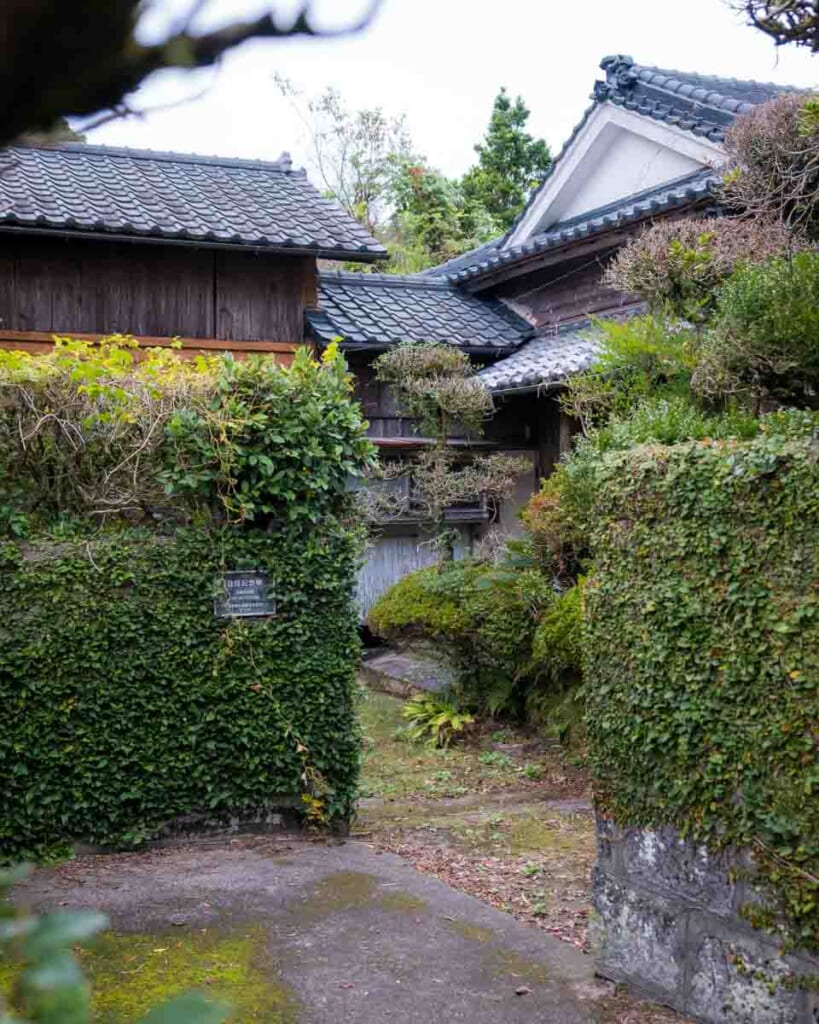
pixel 620 76
pixel 285 161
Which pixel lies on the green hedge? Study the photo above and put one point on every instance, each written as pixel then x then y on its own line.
pixel 702 660
pixel 127 704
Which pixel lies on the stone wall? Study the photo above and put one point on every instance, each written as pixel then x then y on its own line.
pixel 668 924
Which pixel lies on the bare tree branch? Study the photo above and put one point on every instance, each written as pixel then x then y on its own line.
pixel 58 60
pixel 784 21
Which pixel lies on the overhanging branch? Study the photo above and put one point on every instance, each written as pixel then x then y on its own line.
pixel 59 59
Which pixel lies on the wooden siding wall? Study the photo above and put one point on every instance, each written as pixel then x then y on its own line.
pixel 377 401
pixel 565 292
pixel 84 286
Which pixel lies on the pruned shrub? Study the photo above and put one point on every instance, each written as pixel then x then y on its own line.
pixel 764 339
pixel 481 617
pixel 773 153
pixel 678 265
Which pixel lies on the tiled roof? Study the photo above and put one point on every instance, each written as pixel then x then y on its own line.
pixel 702 104
pixel 195 199
pixel 466 259
pixel 693 188
pixel 546 360
pixel 380 310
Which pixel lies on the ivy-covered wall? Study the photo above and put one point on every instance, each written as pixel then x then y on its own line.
pixel 127 704
pixel 702 662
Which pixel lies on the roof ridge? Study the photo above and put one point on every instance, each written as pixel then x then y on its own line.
pixel 283 164
pixel 395 280
pixel 723 79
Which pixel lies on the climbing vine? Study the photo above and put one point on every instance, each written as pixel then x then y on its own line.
pixel 702 656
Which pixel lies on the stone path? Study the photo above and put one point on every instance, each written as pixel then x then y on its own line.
pixel 403 673
pixel 355 935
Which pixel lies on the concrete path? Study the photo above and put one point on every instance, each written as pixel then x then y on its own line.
pixel 357 936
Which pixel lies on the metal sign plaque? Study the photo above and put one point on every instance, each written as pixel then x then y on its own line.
pixel 244 595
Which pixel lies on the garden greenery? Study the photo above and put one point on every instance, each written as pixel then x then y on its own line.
pixel 677 265
pixel 127 702
pixel 479 615
pixel 83 428
pixel 764 338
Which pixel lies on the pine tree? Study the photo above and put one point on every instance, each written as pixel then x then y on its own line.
pixel 511 163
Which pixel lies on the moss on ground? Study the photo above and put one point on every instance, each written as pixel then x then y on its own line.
pixel 503 963
pixel 535 833
pixel 130 973
pixel 471 932
pixel 350 890
pixel 395 768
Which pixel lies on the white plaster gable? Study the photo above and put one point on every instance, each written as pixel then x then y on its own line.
pixel 615 154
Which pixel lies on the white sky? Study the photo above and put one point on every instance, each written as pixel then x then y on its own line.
pixel 441 62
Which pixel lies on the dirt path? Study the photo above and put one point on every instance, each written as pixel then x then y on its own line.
pixel 521 839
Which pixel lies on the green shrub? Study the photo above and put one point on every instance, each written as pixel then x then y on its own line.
pixel 93 433
pixel 481 618
pixel 702 653
pixel 560 516
pixel 764 339
pixel 557 646
pixel 638 358
pixel 126 703
pixel 270 444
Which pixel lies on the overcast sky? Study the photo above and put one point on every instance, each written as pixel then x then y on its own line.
pixel 441 62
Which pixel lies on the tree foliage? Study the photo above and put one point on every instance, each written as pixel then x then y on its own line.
pixel 355 153
pixel 511 163
pixel 39 39
pixel 433 219
pixel 367 161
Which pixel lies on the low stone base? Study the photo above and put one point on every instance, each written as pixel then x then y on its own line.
pixel 668 924
pixel 282 815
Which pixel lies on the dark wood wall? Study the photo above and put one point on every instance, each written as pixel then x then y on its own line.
pixel 75 285
pixel 564 292
pixel 377 401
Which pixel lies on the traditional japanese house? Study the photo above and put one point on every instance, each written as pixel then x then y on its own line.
pixel 219 253
pixel 649 147
pixel 223 254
